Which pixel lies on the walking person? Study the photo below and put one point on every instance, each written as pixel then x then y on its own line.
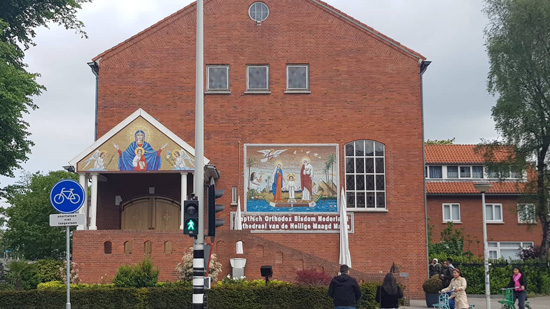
pixel 344 290
pixel 519 283
pixel 389 293
pixel 458 288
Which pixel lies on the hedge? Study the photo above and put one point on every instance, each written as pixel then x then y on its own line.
pixel 248 296
pixel 500 271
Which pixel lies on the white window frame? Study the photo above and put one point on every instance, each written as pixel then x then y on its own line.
pixel 451 219
pixel 297 90
pixel 482 171
pixel 460 171
pixel 234 196
pixel 531 219
pixel 355 191
pixel 497 246
pixel 218 66
pixel 443 171
pixel 492 205
pixel 257 90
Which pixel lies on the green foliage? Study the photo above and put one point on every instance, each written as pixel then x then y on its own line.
pixel 450 141
pixel 433 285
pixel 517 44
pixel 29 233
pixel 137 276
pixel 18 18
pixel 452 242
pixel 17 86
pixel 248 294
pixel 27 276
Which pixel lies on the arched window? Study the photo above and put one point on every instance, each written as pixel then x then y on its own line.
pixel 168 247
pixel 147 247
pixel 107 247
pixel 128 247
pixel 365 175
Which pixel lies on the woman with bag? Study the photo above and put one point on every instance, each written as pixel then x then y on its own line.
pixel 389 293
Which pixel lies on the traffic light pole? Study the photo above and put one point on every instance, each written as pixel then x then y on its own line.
pixel 198 244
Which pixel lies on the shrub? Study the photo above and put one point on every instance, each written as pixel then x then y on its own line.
pixel 185 269
pixel 137 276
pixel 62 272
pixel 312 277
pixel 432 285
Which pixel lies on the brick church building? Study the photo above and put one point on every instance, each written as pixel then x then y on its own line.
pixel 301 101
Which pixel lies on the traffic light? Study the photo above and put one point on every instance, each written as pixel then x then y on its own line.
pixel 191 217
pixel 213 223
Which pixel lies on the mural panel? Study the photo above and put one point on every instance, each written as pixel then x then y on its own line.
pixel 138 147
pixel 291 178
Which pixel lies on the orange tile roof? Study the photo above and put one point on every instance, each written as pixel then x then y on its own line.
pixel 459 154
pixel 455 187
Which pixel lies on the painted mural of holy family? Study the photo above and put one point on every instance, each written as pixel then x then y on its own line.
pixel 291 177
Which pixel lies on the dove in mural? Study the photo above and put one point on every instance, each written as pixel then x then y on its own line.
pixel 270 154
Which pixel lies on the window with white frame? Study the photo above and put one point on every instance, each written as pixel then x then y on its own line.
pixel 234 196
pixel 526 214
pixel 435 171
pixel 257 78
pixel 365 175
pixel 507 249
pixel 297 77
pixel 452 171
pixel 451 213
pixel 477 171
pixel 465 172
pixel 493 213
pixel 218 78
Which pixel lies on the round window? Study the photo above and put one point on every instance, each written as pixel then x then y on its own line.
pixel 258 11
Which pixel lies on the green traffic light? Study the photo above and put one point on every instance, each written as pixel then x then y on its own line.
pixel 191 225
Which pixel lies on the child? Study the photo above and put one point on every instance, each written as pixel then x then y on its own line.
pixel 291 185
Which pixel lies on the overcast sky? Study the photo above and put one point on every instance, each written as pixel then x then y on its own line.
pixel 447 32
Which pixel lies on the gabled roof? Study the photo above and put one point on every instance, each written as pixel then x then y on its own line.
pixel 454 187
pixel 191 8
pixel 439 154
pixel 140 113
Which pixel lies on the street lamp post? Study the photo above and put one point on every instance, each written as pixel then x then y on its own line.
pixel 482 188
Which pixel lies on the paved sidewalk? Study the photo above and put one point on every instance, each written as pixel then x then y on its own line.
pixel 542 302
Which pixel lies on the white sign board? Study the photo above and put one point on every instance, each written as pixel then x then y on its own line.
pixel 67 219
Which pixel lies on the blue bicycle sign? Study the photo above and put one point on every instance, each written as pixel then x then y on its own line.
pixel 67 196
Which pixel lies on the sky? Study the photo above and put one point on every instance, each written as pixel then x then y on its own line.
pixel 447 32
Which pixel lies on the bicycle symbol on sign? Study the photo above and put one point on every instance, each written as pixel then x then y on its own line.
pixel 66 194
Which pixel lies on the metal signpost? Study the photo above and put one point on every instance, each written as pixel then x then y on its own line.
pixel 67 196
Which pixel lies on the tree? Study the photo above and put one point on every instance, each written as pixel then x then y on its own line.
pixel 450 141
pixel 28 231
pixel 518 46
pixel 18 18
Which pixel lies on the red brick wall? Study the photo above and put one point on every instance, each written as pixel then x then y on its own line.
pixel 361 88
pixel 472 221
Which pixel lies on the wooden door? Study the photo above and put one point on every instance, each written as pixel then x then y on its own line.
pixel 151 213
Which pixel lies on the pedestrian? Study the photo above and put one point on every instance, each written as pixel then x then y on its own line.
pixel 435 268
pixel 450 261
pixel 344 290
pixel 458 288
pixel 519 283
pixel 446 273
pixel 389 293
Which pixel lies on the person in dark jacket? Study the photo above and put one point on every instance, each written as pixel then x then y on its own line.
pixel 519 283
pixel 344 290
pixel 389 293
